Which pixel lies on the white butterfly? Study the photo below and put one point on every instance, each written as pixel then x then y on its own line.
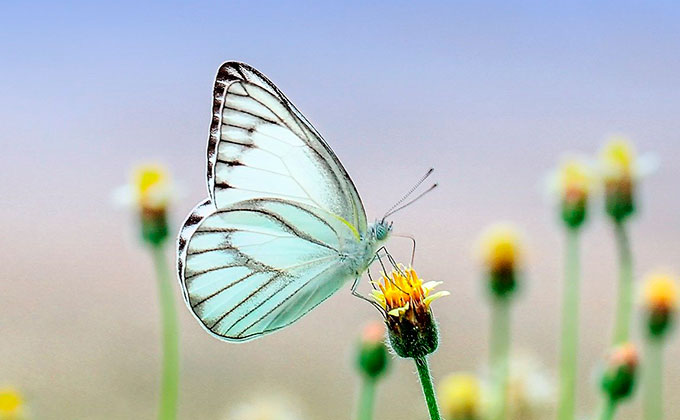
pixel 284 227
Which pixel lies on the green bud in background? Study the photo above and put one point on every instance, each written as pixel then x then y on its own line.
pixel 373 357
pixel 619 377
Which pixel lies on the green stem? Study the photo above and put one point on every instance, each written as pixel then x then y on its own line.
pixel 608 410
pixel 428 387
pixel 367 398
pixel 170 375
pixel 624 309
pixel 653 380
pixel 570 320
pixel 499 352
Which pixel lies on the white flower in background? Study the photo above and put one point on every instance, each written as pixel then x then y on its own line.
pixel 531 390
pixel 266 408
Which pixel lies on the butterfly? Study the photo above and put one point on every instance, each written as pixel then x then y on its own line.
pixel 283 227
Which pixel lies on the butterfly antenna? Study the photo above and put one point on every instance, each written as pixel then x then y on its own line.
pixel 392 211
pixel 415 187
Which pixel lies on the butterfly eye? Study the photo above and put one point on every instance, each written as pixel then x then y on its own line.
pixel 381 231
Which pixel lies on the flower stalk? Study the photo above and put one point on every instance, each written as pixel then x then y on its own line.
pixel 428 387
pixel 624 304
pixel 570 320
pixel 653 380
pixel 170 338
pixel 499 355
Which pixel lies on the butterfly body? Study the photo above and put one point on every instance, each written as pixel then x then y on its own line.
pixel 283 227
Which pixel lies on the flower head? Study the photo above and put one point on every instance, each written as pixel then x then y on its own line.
pixel 660 301
pixel 11 404
pixel 501 253
pixel 271 408
pixel 406 300
pixel 574 183
pixel 621 169
pixel 460 395
pixel 373 358
pixel 149 193
pixel 618 379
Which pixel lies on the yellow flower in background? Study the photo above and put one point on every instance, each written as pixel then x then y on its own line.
pixel 152 187
pixel 660 298
pixel 149 193
pixel 11 404
pixel 660 292
pixel 621 168
pixel 405 301
pixel 575 179
pixel 574 183
pixel 460 397
pixel 501 247
pixel 501 252
pixel 618 159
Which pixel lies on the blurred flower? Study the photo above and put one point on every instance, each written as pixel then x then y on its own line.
pixel 149 193
pixel 618 378
pixel 660 301
pixel 621 169
pixel 11 404
pixel 273 408
pixel 531 390
pixel 460 395
pixel 406 300
pixel 500 249
pixel 373 358
pixel 573 183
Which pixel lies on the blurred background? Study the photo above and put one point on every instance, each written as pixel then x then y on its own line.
pixel 490 94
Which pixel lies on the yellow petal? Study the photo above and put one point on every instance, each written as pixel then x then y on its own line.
pixel 436 296
pixel 399 311
pixel 431 285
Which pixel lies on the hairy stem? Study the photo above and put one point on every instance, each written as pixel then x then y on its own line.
pixel 428 387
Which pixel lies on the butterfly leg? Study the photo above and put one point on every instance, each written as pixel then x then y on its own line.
pixel 360 296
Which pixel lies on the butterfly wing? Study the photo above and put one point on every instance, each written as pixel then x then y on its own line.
pixel 260 145
pixel 249 269
pixel 283 226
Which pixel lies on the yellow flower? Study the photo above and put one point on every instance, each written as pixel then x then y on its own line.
pixel 660 297
pixel 151 184
pixel 501 247
pixel 403 293
pixel 501 252
pixel 460 396
pixel 405 301
pixel 621 168
pixel 149 193
pixel 618 159
pixel 660 292
pixel 575 179
pixel 11 404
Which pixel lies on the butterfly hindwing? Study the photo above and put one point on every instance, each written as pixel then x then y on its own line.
pixel 248 270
